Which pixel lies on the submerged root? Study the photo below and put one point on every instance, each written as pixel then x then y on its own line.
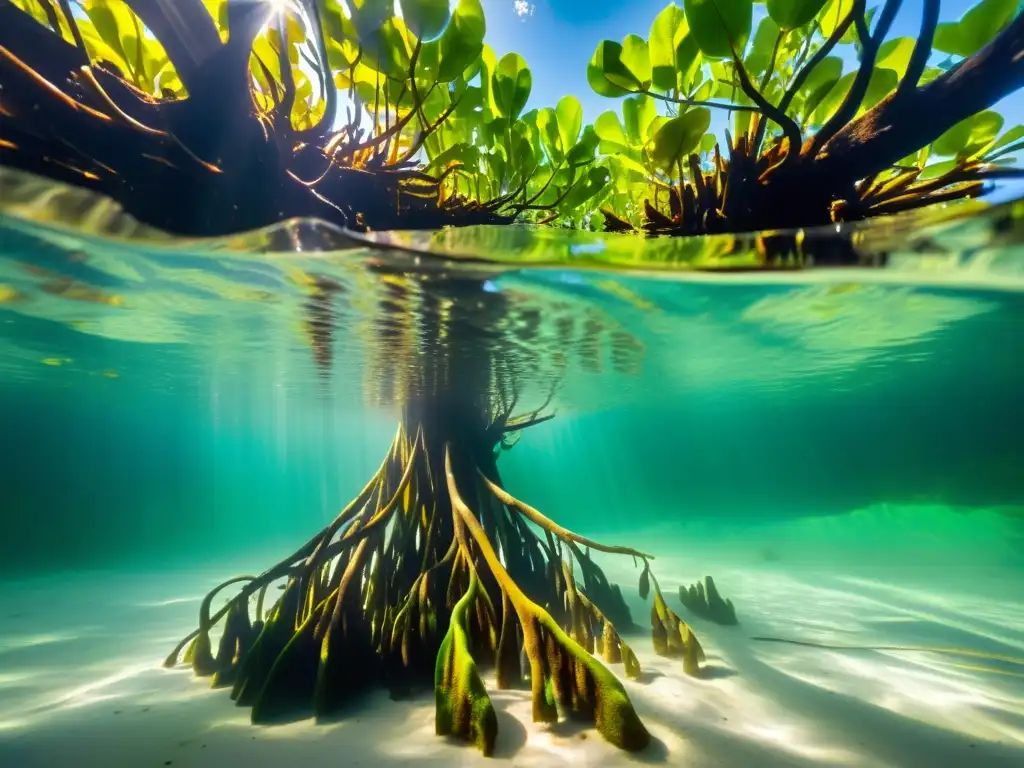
pixel 432 573
pixel 705 601
pixel 463 706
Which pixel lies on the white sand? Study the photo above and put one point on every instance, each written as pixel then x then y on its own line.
pixel 81 683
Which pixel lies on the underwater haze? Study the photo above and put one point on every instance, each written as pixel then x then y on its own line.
pixel 841 449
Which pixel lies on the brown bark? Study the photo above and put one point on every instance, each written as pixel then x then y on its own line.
pixel 906 121
pixel 186 31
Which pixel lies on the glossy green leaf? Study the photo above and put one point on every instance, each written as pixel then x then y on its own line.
pixel 368 16
pixel 570 120
pixel 595 181
pixel 688 62
pixel 102 14
pixel 511 85
pixel 970 135
pixel 426 19
pixel 609 128
pixel 488 65
pixel 976 27
pixel 678 137
pixel 606 71
pixel 947 38
pixel 637 59
pixel 764 38
pixel 619 69
pixel 832 15
pixel 790 14
pixel 462 41
pixel 628 163
pixel 829 69
pixel 638 112
pixel 585 148
pixel 935 170
pixel 662 44
pixel 1012 136
pixel 388 49
pixel 719 26
pixel 547 124
pixel 882 83
pixel 895 55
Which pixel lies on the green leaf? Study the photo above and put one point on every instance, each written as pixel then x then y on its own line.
pixel 638 112
pixel 102 14
pixel 937 169
pixel 606 64
pixel 970 135
pixel 764 38
pixel 790 14
pixel 679 137
pixel 426 19
pixel 592 185
pixel 637 59
pixel 1013 135
pixel 629 164
pixel 895 55
pixel 829 69
pixel 618 69
pixel 488 64
pixel 688 62
pixel 608 128
pixel 368 16
pixel 718 26
pixel 663 44
pixel 511 85
pixel 882 83
pixel 585 148
pixel 947 38
pixel 388 48
pixel 547 123
pixel 569 112
pixel 976 27
pixel 462 41
pixel 833 14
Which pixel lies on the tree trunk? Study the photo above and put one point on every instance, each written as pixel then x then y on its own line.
pixel 905 122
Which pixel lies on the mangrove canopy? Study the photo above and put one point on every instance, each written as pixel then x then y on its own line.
pixel 215 116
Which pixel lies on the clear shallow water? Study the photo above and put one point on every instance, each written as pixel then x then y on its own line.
pixel 841 448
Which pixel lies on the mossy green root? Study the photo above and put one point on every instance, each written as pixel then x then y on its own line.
pixel 463 707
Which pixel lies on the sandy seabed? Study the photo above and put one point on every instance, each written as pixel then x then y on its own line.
pixel 81 682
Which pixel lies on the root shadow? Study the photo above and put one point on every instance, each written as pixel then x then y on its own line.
pixel 511 735
pixel 716 672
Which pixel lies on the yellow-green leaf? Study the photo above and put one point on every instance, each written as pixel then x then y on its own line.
pixel 790 14
pixel 720 26
pixel 678 137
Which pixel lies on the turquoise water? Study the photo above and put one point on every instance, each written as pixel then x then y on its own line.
pixel 841 449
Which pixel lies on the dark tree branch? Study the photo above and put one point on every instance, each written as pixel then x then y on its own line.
pixel 870 44
pixel 698 102
pixel 520 425
pixel 330 90
pixel 771 112
pixel 818 57
pixel 922 48
pixel 283 118
pixel 76 33
pixel 51 16
pixel 903 123
pixel 185 29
